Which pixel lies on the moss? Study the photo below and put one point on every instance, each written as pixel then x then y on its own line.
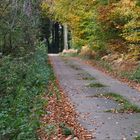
pixel 127 106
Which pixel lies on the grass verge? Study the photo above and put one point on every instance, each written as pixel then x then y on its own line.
pixel 23 83
pixel 131 75
pixel 127 107
pixel 96 85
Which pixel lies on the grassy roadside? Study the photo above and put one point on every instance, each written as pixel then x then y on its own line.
pixel 126 106
pixel 59 121
pixel 23 83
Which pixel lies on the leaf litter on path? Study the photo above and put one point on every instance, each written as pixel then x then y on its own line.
pixel 61 112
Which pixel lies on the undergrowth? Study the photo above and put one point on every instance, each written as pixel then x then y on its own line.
pixel 107 66
pixel 136 75
pixel 23 82
pixel 132 75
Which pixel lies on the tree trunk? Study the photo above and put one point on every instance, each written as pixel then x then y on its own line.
pixel 56 37
pixel 65 37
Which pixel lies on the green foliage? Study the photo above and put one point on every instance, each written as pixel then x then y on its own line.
pixel 96 85
pixel 23 81
pixel 136 75
pixel 66 130
pixel 83 23
pixel 24 72
pixel 137 138
pixel 19 21
pixel 132 75
pixel 126 105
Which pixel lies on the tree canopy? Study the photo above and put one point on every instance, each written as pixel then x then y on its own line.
pixel 105 25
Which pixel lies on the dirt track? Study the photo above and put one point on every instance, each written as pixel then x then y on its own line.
pixel 74 76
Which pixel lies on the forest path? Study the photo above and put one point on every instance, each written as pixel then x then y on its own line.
pixel 75 78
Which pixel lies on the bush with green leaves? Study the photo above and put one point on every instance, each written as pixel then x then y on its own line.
pixel 23 82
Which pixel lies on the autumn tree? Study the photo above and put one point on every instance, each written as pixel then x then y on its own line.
pixel 106 26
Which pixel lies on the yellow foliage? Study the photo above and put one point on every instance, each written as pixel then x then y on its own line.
pixel 91 22
pixel 86 51
pixel 74 13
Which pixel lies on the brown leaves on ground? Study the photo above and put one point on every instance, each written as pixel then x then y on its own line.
pixel 60 112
